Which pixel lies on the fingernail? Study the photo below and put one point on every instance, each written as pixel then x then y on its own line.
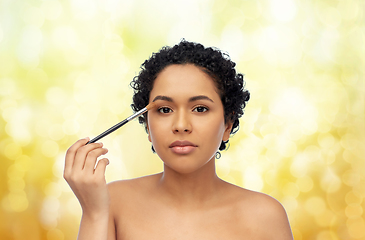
pixel 87 138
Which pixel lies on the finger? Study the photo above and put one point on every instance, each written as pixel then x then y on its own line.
pixel 92 157
pixel 71 153
pixel 101 166
pixel 82 153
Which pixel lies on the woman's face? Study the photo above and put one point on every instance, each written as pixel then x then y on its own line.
pixel 187 126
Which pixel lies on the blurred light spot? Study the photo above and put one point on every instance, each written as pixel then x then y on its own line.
pixel 349 141
pixel 291 189
pixel 223 168
pixel 113 45
pixel 37 75
pixel 50 148
pixel 350 78
pixel 270 140
pixel 305 184
pixel 12 151
pixel 252 179
pixel 330 156
pixel 309 126
pixel 268 128
pixel 18 126
pixel 290 204
pixel 73 207
pixel 351 178
pixel 70 127
pixel 251 9
pixel 293 132
pixel 283 10
pixel 329 43
pixel 326 219
pixel 280 46
pixel 52 9
pixel 285 147
pixel 309 29
pixel 330 17
pixel 356 227
pixel 270 177
pixel 356 39
pixel 65 37
pixel 108 29
pixel 354 210
pixel 71 113
pixel 348 9
pixel 233 41
pixel 85 90
pixel 315 206
pixel 15 201
pixel 326 140
pixel 53 189
pixel 55 234
pixel 58 167
pixel 7 88
pixel 300 165
pixel 33 16
pixel 55 132
pixel 42 127
pixel 292 105
pixel 326 235
pixel 84 9
pixel 16 184
pixel 15 171
pixel 56 96
pixel 313 153
pixel 352 198
pixel 30 47
pixel 1 34
pixel 49 212
pixel 330 182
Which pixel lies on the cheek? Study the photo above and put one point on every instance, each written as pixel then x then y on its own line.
pixel 212 131
pixel 156 130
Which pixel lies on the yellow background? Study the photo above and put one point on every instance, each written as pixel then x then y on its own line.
pixel 65 67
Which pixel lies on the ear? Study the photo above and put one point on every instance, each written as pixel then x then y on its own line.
pixel 148 132
pixel 227 131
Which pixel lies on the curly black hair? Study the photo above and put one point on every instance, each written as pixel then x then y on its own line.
pixel 230 85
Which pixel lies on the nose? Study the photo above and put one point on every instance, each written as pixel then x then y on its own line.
pixel 181 123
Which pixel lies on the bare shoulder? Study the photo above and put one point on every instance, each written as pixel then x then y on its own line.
pixel 267 215
pixel 127 187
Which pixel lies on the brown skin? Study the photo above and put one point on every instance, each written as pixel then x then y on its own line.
pixel 187 200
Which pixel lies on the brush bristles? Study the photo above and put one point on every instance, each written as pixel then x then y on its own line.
pixel 151 106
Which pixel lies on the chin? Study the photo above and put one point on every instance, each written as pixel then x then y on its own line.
pixel 184 167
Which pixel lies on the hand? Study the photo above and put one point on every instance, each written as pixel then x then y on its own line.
pixel 87 181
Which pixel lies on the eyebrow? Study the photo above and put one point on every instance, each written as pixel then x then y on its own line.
pixel 192 99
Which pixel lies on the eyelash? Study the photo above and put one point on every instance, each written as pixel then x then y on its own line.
pixel 161 109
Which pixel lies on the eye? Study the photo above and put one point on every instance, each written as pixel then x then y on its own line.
pixel 200 109
pixel 164 110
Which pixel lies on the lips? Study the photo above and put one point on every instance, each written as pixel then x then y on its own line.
pixel 182 147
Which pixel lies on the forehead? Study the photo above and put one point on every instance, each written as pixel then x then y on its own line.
pixel 184 79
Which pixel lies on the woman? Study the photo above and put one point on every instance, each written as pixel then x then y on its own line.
pixel 199 98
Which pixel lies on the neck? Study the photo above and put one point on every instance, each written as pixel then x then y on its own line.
pixel 191 188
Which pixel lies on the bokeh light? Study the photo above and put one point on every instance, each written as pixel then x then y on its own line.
pixel 65 68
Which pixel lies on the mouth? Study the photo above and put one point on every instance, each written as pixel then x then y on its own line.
pixel 182 147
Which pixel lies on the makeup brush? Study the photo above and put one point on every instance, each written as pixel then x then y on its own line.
pixel 116 126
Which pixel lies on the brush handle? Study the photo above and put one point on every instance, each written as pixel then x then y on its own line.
pixel 116 126
pixel 110 130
